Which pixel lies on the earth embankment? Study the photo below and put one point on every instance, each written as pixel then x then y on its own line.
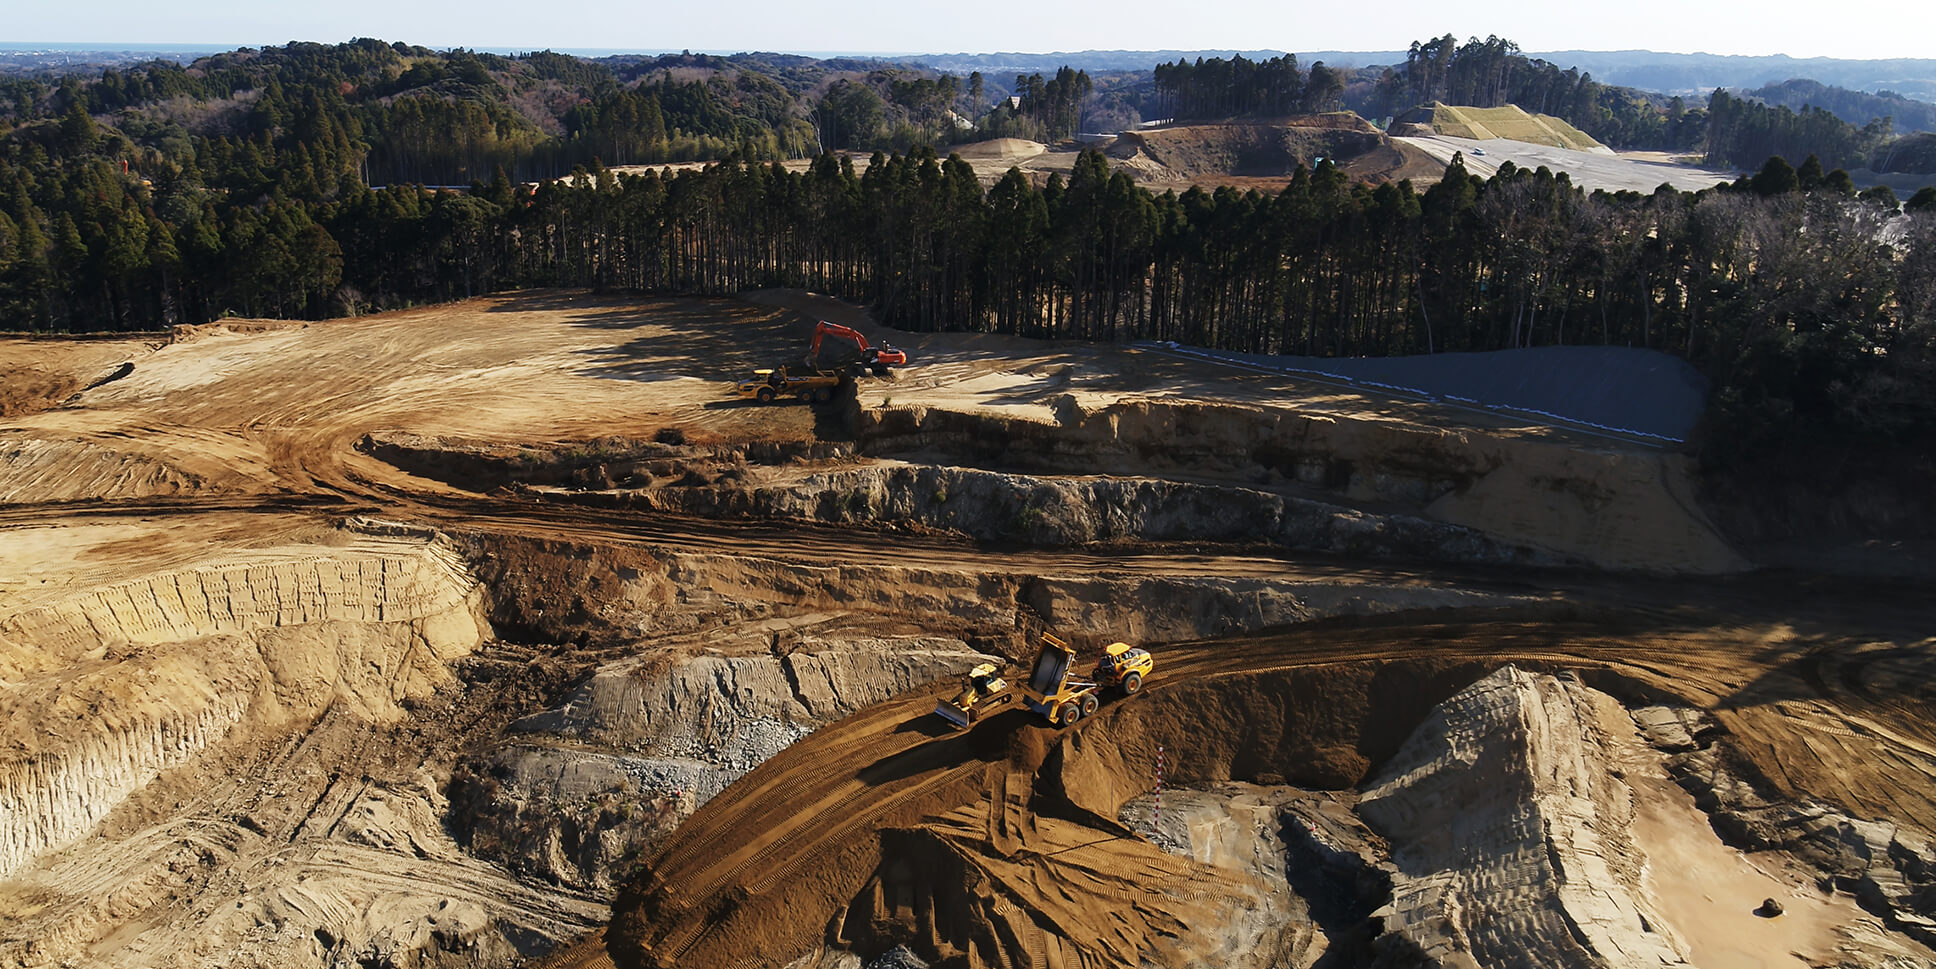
pixel 409 640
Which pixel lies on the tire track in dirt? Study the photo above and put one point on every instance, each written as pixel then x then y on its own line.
pixel 692 891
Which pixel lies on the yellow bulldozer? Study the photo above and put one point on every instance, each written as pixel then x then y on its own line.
pixel 1050 690
pixel 982 692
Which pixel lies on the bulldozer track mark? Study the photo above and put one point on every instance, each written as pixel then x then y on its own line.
pixel 856 820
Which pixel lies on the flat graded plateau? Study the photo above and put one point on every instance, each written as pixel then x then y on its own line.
pixel 501 632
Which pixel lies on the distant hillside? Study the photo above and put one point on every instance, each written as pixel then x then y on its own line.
pixel 1914 154
pixel 1699 74
pixel 1854 107
pixel 995 65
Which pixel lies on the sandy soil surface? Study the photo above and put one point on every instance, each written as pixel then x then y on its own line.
pixel 449 636
pixel 1246 156
pixel 1590 170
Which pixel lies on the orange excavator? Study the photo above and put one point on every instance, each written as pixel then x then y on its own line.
pixel 855 351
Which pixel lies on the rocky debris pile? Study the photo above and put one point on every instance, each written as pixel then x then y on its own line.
pixel 1510 835
pixel 1321 871
pixel 580 791
pixel 1888 866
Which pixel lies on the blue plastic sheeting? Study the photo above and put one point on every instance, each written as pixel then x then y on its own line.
pixel 1644 393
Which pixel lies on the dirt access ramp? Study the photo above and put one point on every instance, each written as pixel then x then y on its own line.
pixel 1642 172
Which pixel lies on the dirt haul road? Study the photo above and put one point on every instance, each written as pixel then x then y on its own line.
pixel 419 639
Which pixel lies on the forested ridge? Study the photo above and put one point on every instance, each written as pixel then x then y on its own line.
pixel 1813 310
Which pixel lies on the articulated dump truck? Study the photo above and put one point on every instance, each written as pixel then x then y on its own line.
pixel 1051 691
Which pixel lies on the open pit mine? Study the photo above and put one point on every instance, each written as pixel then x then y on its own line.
pixel 508 633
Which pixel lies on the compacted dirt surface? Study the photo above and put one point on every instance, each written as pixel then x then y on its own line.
pixel 501 633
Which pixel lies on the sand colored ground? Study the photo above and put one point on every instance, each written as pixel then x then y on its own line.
pixel 272 590
pixel 1509 121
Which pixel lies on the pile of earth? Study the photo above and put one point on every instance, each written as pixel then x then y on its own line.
pixel 1266 150
pixel 1402 813
pixel 1506 121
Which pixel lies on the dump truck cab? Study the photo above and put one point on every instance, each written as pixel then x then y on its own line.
pixel 981 691
pixel 1123 667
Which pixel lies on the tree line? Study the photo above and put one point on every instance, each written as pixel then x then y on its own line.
pixel 1810 307
pixel 1743 132
pixel 1803 303
pixel 1241 87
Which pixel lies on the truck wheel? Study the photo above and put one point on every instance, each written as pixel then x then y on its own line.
pixel 824 394
pixel 1132 683
pixel 1067 714
pixel 805 396
pixel 765 395
pixel 1089 705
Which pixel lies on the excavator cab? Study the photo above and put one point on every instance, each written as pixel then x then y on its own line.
pixel 855 352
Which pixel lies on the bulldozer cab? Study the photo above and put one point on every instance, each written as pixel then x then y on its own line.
pixel 1051 666
pixel 981 682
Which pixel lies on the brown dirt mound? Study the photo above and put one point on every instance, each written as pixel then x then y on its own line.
pixel 1248 149
pixel 29 390
pixel 1011 150
pixel 962 847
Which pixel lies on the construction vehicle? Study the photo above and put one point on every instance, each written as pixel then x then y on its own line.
pixel 1122 667
pixel 982 692
pixel 1052 693
pixel 853 351
pixel 770 385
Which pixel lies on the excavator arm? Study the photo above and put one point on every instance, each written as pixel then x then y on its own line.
pixel 877 359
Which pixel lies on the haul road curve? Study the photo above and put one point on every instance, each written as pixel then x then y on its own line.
pixel 327 597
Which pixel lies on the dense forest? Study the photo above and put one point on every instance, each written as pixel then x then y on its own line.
pixel 1742 132
pixel 1481 73
pixel 1812 309
pixel 1855 107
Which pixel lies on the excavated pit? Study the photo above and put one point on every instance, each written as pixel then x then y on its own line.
pixel 615 634
pixel 1147 471
pixel 1464 815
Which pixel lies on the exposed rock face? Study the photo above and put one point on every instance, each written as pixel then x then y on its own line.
pixel 1889 866
pixel 1510 836
pixel 1622 509
pixel 583 788
pixel 1076 511
pixel 184 656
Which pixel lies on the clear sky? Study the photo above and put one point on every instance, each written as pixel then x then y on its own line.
pixel 1848 28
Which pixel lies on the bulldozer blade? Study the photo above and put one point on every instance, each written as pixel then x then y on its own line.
pixel 949 712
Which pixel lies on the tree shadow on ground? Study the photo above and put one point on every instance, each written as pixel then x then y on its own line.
pixel 676 337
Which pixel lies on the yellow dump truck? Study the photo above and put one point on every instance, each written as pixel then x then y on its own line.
pixel 1052 693
pixel 982 692
pixel 770 385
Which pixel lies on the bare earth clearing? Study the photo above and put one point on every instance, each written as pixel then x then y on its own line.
pixel 495 632
pixel 1262 155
